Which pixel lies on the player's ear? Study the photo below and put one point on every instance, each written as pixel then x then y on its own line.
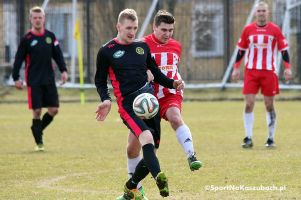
pixel 118 26
pixel 154 27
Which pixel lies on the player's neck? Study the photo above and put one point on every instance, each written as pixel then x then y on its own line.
pixel 121 41
pixel 261 23
pixel 155 38
pixel 37 31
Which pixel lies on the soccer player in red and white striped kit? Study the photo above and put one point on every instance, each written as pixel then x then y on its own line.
pixel 261 41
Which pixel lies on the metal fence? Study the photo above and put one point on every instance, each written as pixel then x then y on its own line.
pixel 207 29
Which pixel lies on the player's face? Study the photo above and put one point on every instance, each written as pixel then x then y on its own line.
pixel 37 20
pixel 127 30
pixel 163 32
pixel 261 14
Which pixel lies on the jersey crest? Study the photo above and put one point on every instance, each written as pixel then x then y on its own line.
pixel 139 50
pixel 48 40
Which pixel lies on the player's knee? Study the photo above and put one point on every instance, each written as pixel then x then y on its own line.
pixel 133 151
pixel 270 107
pixel 37 113
pixel 53 111
pixel 176 121
pixel 133 148
pixel 146 138
pixel 249 106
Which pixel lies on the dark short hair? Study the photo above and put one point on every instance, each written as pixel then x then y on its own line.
pixel 163 16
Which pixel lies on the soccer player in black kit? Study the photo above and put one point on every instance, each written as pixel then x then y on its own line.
pixel 126 61
pixel 37 48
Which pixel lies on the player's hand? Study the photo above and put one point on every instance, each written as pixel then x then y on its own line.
pixel 64 78
pixel 19 84
pixel 178 84
pixel 103 110
pixel 150 76
pixel 288 74
pixel 236 74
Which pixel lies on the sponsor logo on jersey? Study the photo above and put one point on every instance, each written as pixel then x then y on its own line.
pixel 166 67
pixel 140 50
pixel 48 40
pixel 264 46
pixel 118 54
pixel 34 42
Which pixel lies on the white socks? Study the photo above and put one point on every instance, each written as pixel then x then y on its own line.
pixel 248 122
pixel 271 123
pixel 185 139
pixel 132 163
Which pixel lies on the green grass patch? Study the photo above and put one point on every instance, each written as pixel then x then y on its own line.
pixel 85 159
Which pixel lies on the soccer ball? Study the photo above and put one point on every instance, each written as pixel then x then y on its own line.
pixel 146 106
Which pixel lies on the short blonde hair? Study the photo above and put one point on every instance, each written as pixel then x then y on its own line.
pixel 36 9
pixel 262 3
pixel 127 13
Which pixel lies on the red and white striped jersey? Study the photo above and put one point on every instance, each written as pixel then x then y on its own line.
pixel 167 57
pixel 262 45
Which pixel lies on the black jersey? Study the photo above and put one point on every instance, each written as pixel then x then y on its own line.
pixel 37 52
pixel 126 66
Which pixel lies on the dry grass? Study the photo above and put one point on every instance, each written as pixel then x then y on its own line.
pixel 85 159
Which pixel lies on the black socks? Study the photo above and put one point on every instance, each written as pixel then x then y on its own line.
pixel 46 120
pixel 36 129
pixel 39 125
pixel 150 159
pixel 140 173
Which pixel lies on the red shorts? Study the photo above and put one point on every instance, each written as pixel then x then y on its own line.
pixel 171 100
pixel 266 81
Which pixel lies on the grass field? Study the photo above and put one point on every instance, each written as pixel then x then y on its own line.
pixel 85 159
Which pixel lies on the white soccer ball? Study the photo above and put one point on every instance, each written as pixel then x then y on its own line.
pixel 146 106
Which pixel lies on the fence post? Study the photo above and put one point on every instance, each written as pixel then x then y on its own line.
pixel 21 17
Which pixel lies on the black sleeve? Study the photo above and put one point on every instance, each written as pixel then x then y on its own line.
pixel 58 55
pixel 285 56
pixel 101 76
pixel 239 56
pixel 159 77
pixel 19 58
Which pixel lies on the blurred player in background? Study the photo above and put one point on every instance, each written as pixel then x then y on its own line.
pixel 166 52
pixel 37 48
pixel 261 40
pixel 125 61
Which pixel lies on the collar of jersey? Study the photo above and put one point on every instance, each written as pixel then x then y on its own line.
pixel 118 42
pixel 38 34
pixel 265 26
pixel 157 41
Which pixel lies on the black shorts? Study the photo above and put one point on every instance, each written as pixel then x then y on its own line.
pixel 42 96
pixel 136 124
